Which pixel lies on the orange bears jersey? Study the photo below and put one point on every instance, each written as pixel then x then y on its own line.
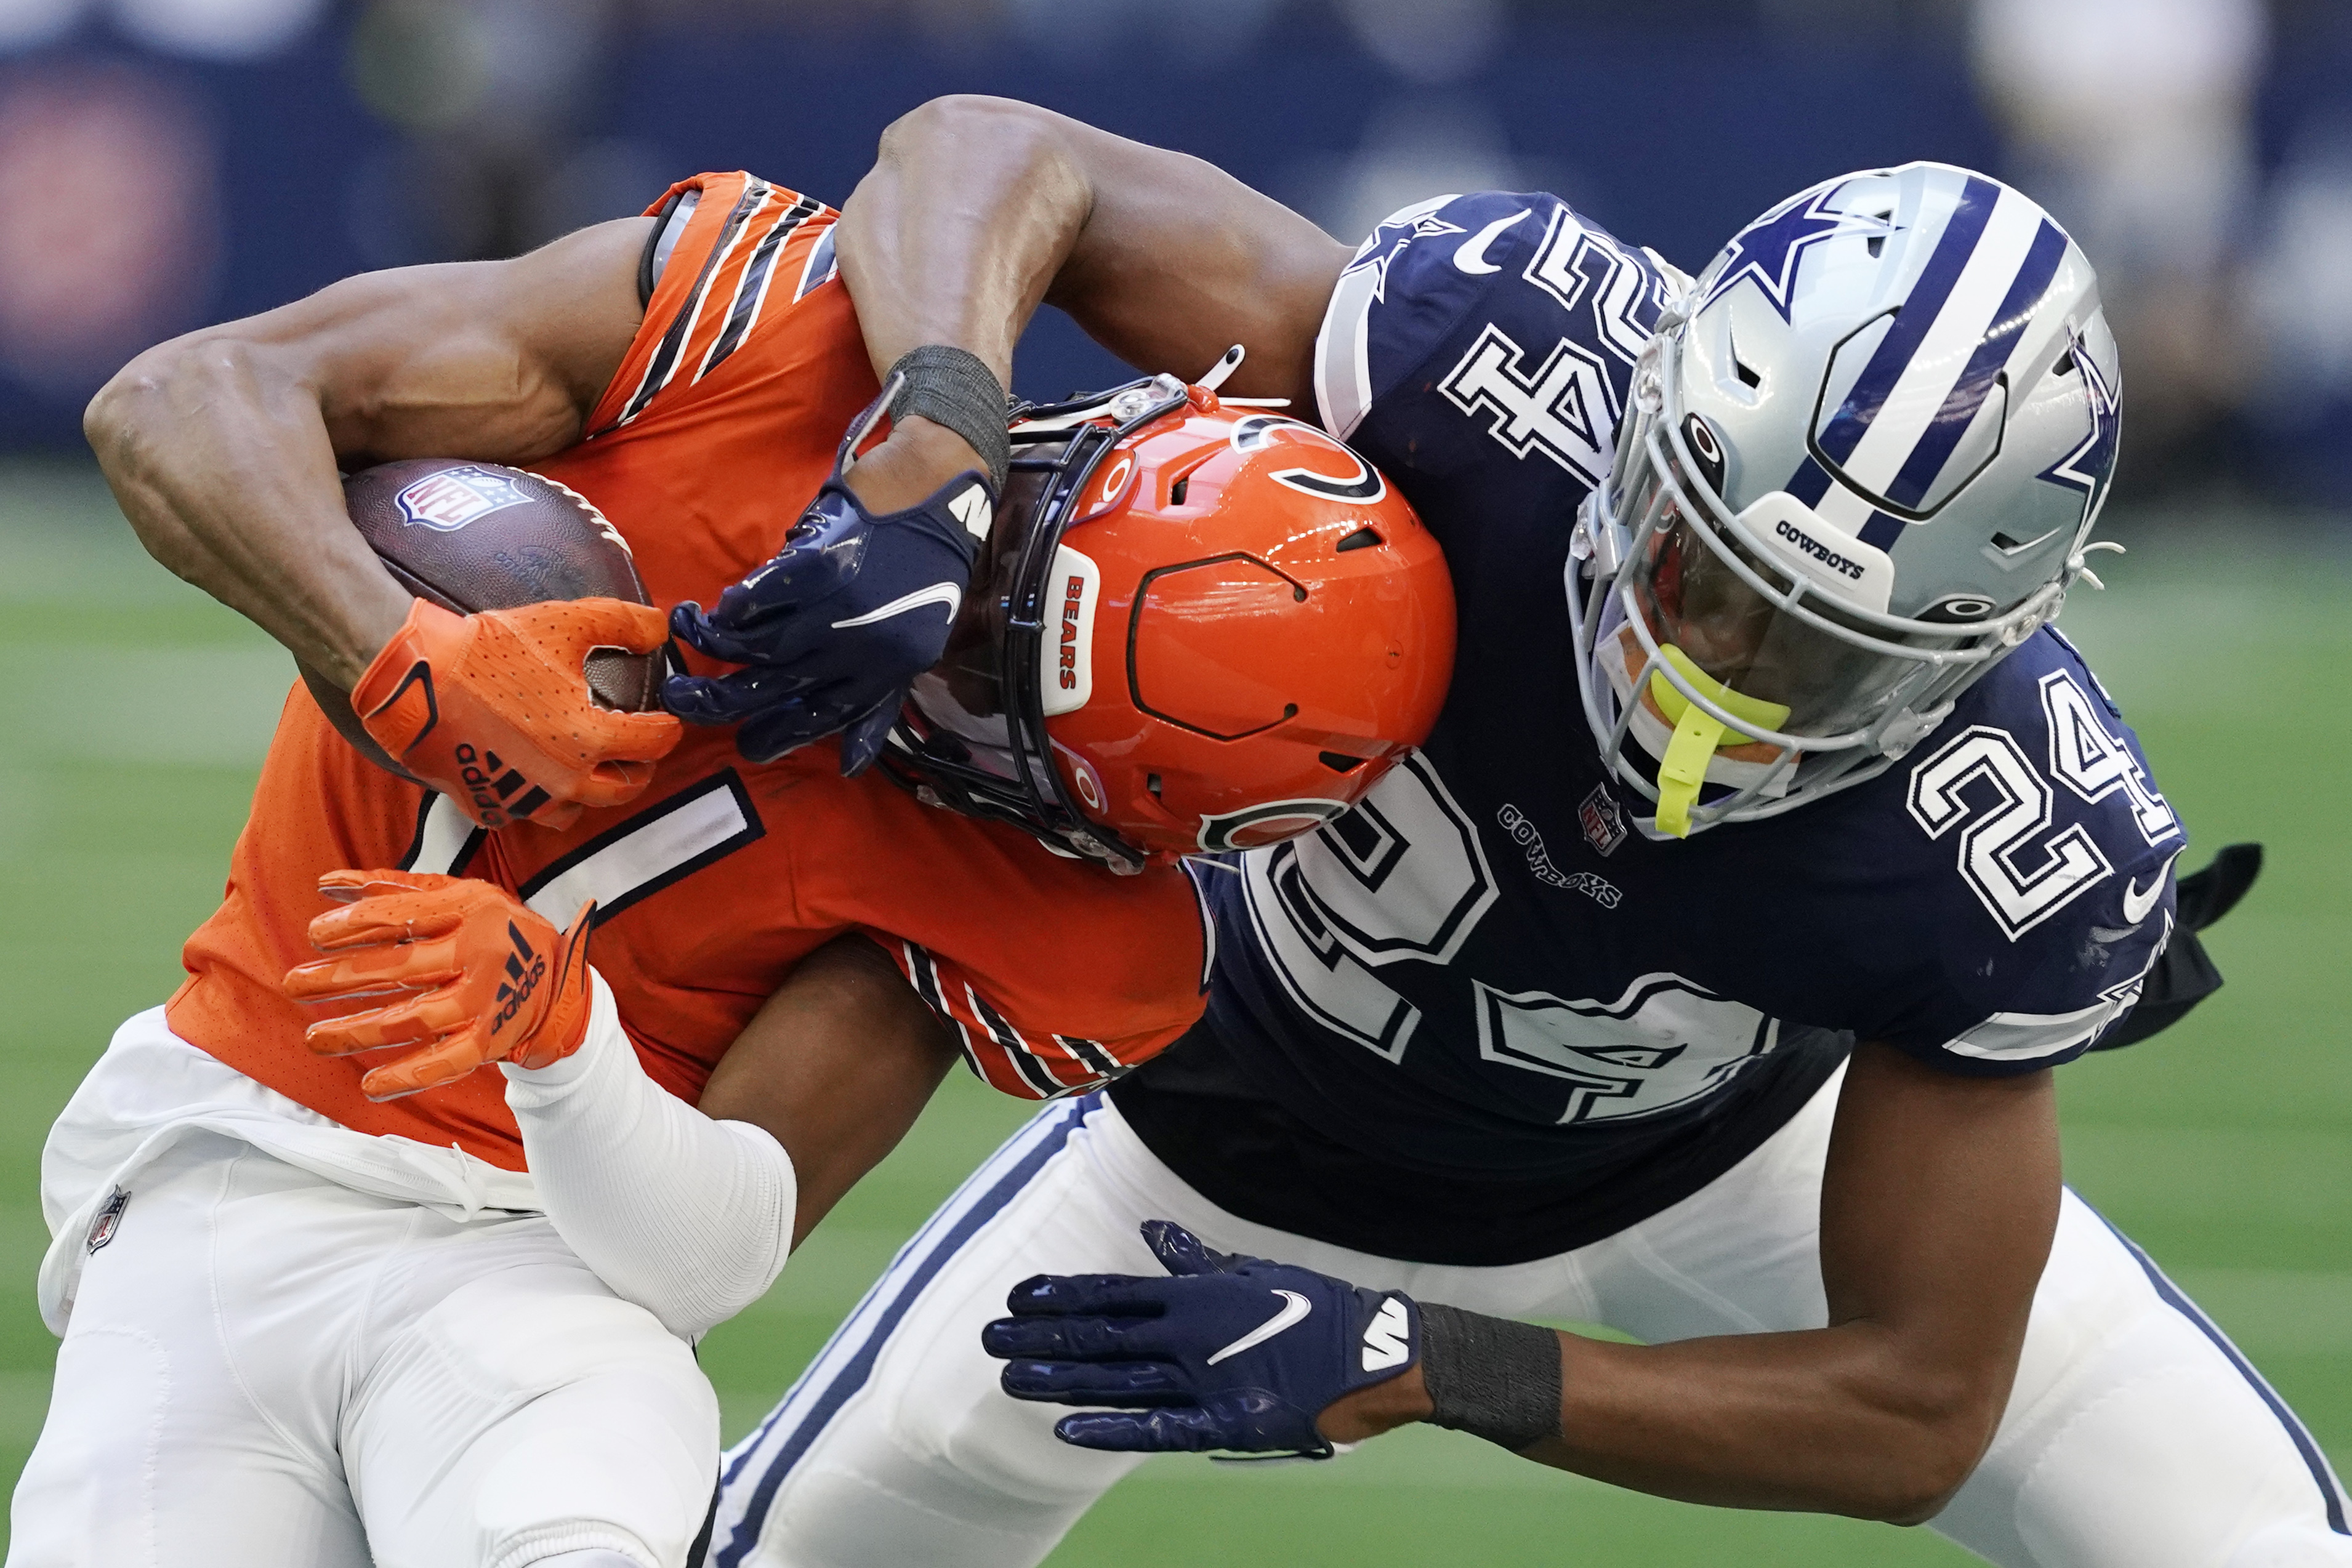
pixel 719 427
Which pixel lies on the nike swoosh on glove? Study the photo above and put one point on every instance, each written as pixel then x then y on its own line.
pixel 493 709
pixel 1231 1353
pixel 831 631
pixel 470 975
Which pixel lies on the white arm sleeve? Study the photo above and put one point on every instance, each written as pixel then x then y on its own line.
pixel 689 1218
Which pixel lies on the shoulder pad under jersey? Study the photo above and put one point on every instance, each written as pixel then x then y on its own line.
pixel 1500 315
pixel 675 213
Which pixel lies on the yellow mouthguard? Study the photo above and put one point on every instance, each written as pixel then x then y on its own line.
pixel 1697 734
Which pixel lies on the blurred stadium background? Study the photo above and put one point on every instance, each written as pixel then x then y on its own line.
pixel 169 163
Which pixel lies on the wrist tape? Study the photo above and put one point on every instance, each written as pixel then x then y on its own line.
pixel 1490 1377
pixel 953 388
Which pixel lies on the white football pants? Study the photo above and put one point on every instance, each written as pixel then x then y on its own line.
pixel 2137 1436
pixel 267 1368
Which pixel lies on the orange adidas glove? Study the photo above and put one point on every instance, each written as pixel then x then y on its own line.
pixel 493 709
pixel 469 975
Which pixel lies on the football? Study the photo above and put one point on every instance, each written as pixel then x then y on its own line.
pixel 481 535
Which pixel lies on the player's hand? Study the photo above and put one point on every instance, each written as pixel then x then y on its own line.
pixel 493 709
pixel 858 603
pixel 469 977
pixel 1233 1353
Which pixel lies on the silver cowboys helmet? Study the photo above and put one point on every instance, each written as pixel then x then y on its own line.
pixel 1862 462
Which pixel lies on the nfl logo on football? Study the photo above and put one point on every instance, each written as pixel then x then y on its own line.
pixel 1604 823
pixel 455 496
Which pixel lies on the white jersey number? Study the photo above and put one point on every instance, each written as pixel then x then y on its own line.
pixel 1563 406
pixel 2019 871
pixel 1401 876
pixel 1573 260
pixel 2095 764
pixel 1405 876
pixel 1665 1042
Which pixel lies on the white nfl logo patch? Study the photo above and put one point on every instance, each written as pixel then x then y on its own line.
pixel 450 499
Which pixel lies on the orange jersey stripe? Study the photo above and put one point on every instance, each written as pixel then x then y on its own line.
pixel 751 235
pixel 1025 1062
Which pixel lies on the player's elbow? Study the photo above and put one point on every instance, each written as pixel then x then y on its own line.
pixel 167 385
pixel 965 116
pixel 1921 1488
pixel 113 418
pixel 139 423
pixel 1938 1428
pixel 973 129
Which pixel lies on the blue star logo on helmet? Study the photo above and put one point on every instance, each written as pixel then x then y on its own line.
pixel 1769 249
pixel 2091 467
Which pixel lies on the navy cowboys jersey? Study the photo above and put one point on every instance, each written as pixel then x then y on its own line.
pixel 1481 974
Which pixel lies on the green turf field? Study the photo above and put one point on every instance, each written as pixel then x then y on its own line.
pixel 138 710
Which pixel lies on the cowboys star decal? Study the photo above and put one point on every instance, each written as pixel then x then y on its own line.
pixel 1388 242
pixel 1769 250
pixel 2090 466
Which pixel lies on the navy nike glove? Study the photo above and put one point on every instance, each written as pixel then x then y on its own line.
pixel 1233 1353
pixel 830 632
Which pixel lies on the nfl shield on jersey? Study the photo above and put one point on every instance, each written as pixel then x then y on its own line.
pixel 1484 973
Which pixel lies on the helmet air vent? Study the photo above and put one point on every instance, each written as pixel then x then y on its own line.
pixel 1877 244
pixel 1362 538
pixel 1340 762
pixel 1750 376
pixel 2006 547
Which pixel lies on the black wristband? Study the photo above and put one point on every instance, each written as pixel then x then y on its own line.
pixel 1489 1377
pixel 953 388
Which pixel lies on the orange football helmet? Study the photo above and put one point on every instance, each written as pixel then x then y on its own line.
pixel 1194 628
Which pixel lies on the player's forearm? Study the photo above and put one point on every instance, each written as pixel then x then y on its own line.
pixel 835 1066
pixel 224 446
pixel 1840 1420
pixel 1843 1420
pixel 688 1217
pixel 1938 1200
pixel 980 208
pixel 224 467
